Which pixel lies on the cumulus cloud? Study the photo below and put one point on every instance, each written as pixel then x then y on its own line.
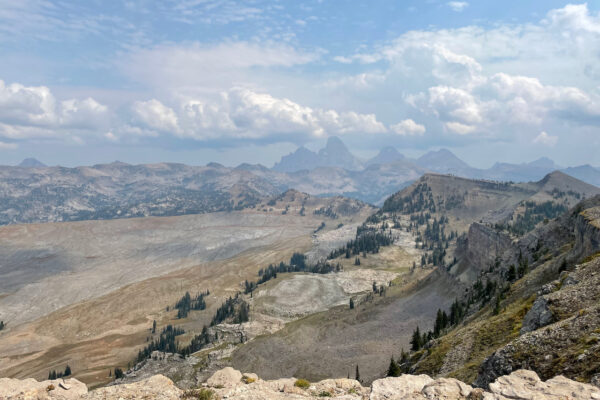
pixel 155 115
pixel 457 6
pixel 545 139
pixel 484 82
pixel 241 113
pixel 407 127
pixel 33 111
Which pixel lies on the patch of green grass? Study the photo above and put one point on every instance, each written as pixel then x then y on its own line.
pixel 199 394
pixel 488 333
pixel 302 383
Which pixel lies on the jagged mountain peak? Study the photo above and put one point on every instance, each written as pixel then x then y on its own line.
pixel 334 154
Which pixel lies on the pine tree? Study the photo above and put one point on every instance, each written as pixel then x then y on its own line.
pixel 511 275
pixel 416 340
pixel 67 371
pixel 394 368
pixel 497 306
pixel 154 326
pixel 351 304
pixel 357 374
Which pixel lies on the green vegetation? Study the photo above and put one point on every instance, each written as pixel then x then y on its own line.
pixel 199 394
pixel 297 264
pixel 119 373
pixel 394 368
pixel 2 325
pixel 534 214
pixel 56 375
pixel 328 212
pixel 235 308
pixel 302 383
pixel 165 342
pixel 187 303
pixel 368 240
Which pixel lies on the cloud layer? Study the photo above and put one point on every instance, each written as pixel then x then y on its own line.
pixel 533 83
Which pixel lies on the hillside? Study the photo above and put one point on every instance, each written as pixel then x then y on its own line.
pixel 120 190
pixel 432 219
pixel 85 293
pixel 541 313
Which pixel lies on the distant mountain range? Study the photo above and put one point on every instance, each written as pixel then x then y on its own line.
pixel 32 192
pixel 336 155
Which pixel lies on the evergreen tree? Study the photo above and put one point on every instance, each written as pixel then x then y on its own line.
pixel 119 373
pixel 357 374
pixel 154 326
pixel 1 325
pixel 415 342
pixel 394 368
pixel 497 306
pixel 511 275
pixel 351 304
pixel 67 371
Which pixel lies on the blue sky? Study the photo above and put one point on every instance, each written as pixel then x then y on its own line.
pixel 199 80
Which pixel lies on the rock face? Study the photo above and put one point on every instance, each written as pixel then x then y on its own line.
pixel 569 346
pixel 539 315
pixel 232 384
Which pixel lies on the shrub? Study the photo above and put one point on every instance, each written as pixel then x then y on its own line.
pixel 247 379
pixel 199 394
pixel 302 383
pixel 324 394
pixel 49 388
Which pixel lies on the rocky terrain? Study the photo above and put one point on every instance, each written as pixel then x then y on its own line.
pixel 33 193
pixel 545 318
pixel 87 293
pixel 74 289
pixel 229 383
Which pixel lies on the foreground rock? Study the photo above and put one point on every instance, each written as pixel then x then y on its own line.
pixel 229 383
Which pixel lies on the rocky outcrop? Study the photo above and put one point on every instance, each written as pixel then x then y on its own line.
pixel 231 384
pixel 539 315
pixel 63 389
pixel 587 228
pixel 157 387
pixel 483 245
pixel 569 346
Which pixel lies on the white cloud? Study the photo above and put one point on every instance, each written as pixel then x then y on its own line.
pixel 459 128
pixel 155 115
pixel 485 82
pixel 407 127
pixel 457 6
pixel 33 111
pixel 245 114
pixel 545 139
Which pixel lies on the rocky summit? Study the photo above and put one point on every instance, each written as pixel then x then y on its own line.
pixel 229 383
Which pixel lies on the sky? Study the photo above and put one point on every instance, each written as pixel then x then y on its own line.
pixel 194 81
